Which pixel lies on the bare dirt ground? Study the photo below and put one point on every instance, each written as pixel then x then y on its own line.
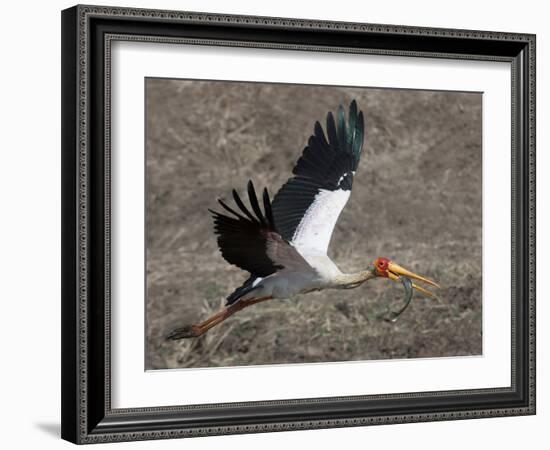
pixel 416 199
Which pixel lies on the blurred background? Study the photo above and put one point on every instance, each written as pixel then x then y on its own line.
pixel 416 199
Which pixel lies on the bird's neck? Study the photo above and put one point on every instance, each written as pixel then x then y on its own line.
pixel 349 280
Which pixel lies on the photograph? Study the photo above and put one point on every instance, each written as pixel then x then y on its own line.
pixel 293 223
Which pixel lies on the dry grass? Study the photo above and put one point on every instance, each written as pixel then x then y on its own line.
pixel 416 199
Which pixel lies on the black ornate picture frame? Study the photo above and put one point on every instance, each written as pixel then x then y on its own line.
pixel 87 35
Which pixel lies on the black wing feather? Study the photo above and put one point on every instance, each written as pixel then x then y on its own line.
pixel 254 203
pixel 331 131
pixel 242 206
pixel 327 163
pixel 341 127
pixel 227 208
pixel 243 240
pixel 268 210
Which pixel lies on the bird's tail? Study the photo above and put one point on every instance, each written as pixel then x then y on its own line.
pixel 242 290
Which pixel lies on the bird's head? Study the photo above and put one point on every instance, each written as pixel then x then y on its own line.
pixel 383 267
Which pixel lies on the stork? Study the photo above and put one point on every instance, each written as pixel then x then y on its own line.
pixel 284 247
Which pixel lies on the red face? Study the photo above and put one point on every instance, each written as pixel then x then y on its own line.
pixel 381 266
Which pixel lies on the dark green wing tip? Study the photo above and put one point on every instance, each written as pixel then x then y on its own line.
pixel 341 111
pixel 357 145
pixel 352 114
pixel 342 136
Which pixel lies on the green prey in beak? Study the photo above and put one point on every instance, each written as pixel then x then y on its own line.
pixel 383 267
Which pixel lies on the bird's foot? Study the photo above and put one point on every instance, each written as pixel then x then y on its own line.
pixel 188 331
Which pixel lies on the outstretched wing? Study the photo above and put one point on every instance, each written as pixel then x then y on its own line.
pixel 308 205
pixel 249 240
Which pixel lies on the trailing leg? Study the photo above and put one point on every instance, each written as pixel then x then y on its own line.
pixel 200 328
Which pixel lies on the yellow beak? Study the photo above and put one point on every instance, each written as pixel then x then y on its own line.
pixel 394 271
